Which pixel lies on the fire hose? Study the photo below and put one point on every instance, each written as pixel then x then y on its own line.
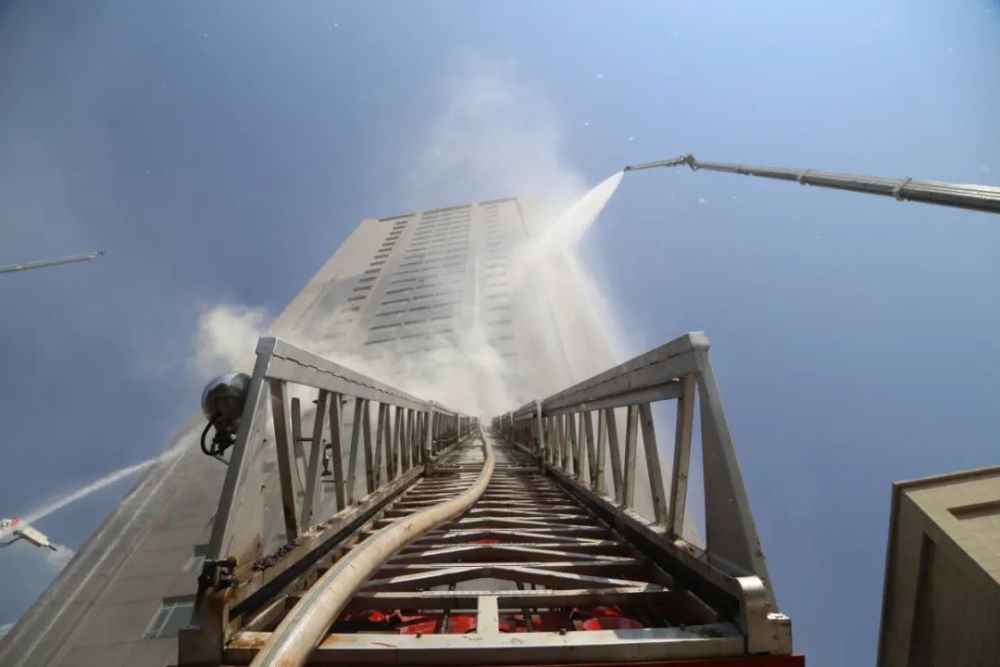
pixel 304 627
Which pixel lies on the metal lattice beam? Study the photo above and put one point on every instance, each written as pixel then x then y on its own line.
pixel 554 561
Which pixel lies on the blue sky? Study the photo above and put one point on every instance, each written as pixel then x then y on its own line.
pixel 219 153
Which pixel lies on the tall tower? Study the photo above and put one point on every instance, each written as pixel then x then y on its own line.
pixel 428 295
pixel 455 287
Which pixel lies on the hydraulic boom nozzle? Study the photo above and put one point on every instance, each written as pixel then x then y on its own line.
pixel 958 195
pixel 684 159
pixel 23 531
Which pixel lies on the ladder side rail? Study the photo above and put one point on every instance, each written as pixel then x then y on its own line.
pixel 245 562
pixel 678 371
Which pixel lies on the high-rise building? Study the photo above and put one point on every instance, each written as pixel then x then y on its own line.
pixel 941 603
pixel 416 282
pixel 422 290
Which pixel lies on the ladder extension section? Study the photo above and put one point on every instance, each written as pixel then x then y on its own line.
pixel 959 195
pixel 516 547
pixel 303 483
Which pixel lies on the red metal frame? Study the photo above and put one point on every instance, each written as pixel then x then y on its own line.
pixel 751 661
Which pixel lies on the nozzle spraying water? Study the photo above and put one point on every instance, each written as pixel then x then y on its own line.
pixel 673 162
pixel 83 492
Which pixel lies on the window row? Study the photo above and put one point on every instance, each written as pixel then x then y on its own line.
pixel 397 325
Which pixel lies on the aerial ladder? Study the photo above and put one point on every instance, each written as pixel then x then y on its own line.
pixel 450 541
pixel 404 532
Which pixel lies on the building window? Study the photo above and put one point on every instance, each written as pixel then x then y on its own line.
pixel 174 614
pixel 378 341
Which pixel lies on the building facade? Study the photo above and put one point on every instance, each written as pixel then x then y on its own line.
pixel 941 602
pixel 401 299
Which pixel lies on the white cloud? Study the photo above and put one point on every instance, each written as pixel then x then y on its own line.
pixel 58 559
pixel 494 137
pixel 225 339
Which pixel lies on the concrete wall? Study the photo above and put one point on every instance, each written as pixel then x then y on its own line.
pixel 941 603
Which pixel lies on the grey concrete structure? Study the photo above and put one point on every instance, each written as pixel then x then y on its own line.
pixel 941 603
pixel 413 284
pixel 404 285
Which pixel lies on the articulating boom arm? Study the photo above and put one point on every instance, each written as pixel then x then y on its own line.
pixel 958 195
pixel 41 263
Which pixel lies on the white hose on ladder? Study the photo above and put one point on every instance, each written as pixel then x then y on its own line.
pixel 304 627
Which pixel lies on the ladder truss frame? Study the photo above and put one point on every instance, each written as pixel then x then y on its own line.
pixel 239 580
pixel 730 573
pixel 550 518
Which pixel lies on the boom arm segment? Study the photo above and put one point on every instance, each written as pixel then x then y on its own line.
pixel 958 195
pixel 41 263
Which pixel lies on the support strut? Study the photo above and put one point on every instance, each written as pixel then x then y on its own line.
pixel 958 195
pixel 306 624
